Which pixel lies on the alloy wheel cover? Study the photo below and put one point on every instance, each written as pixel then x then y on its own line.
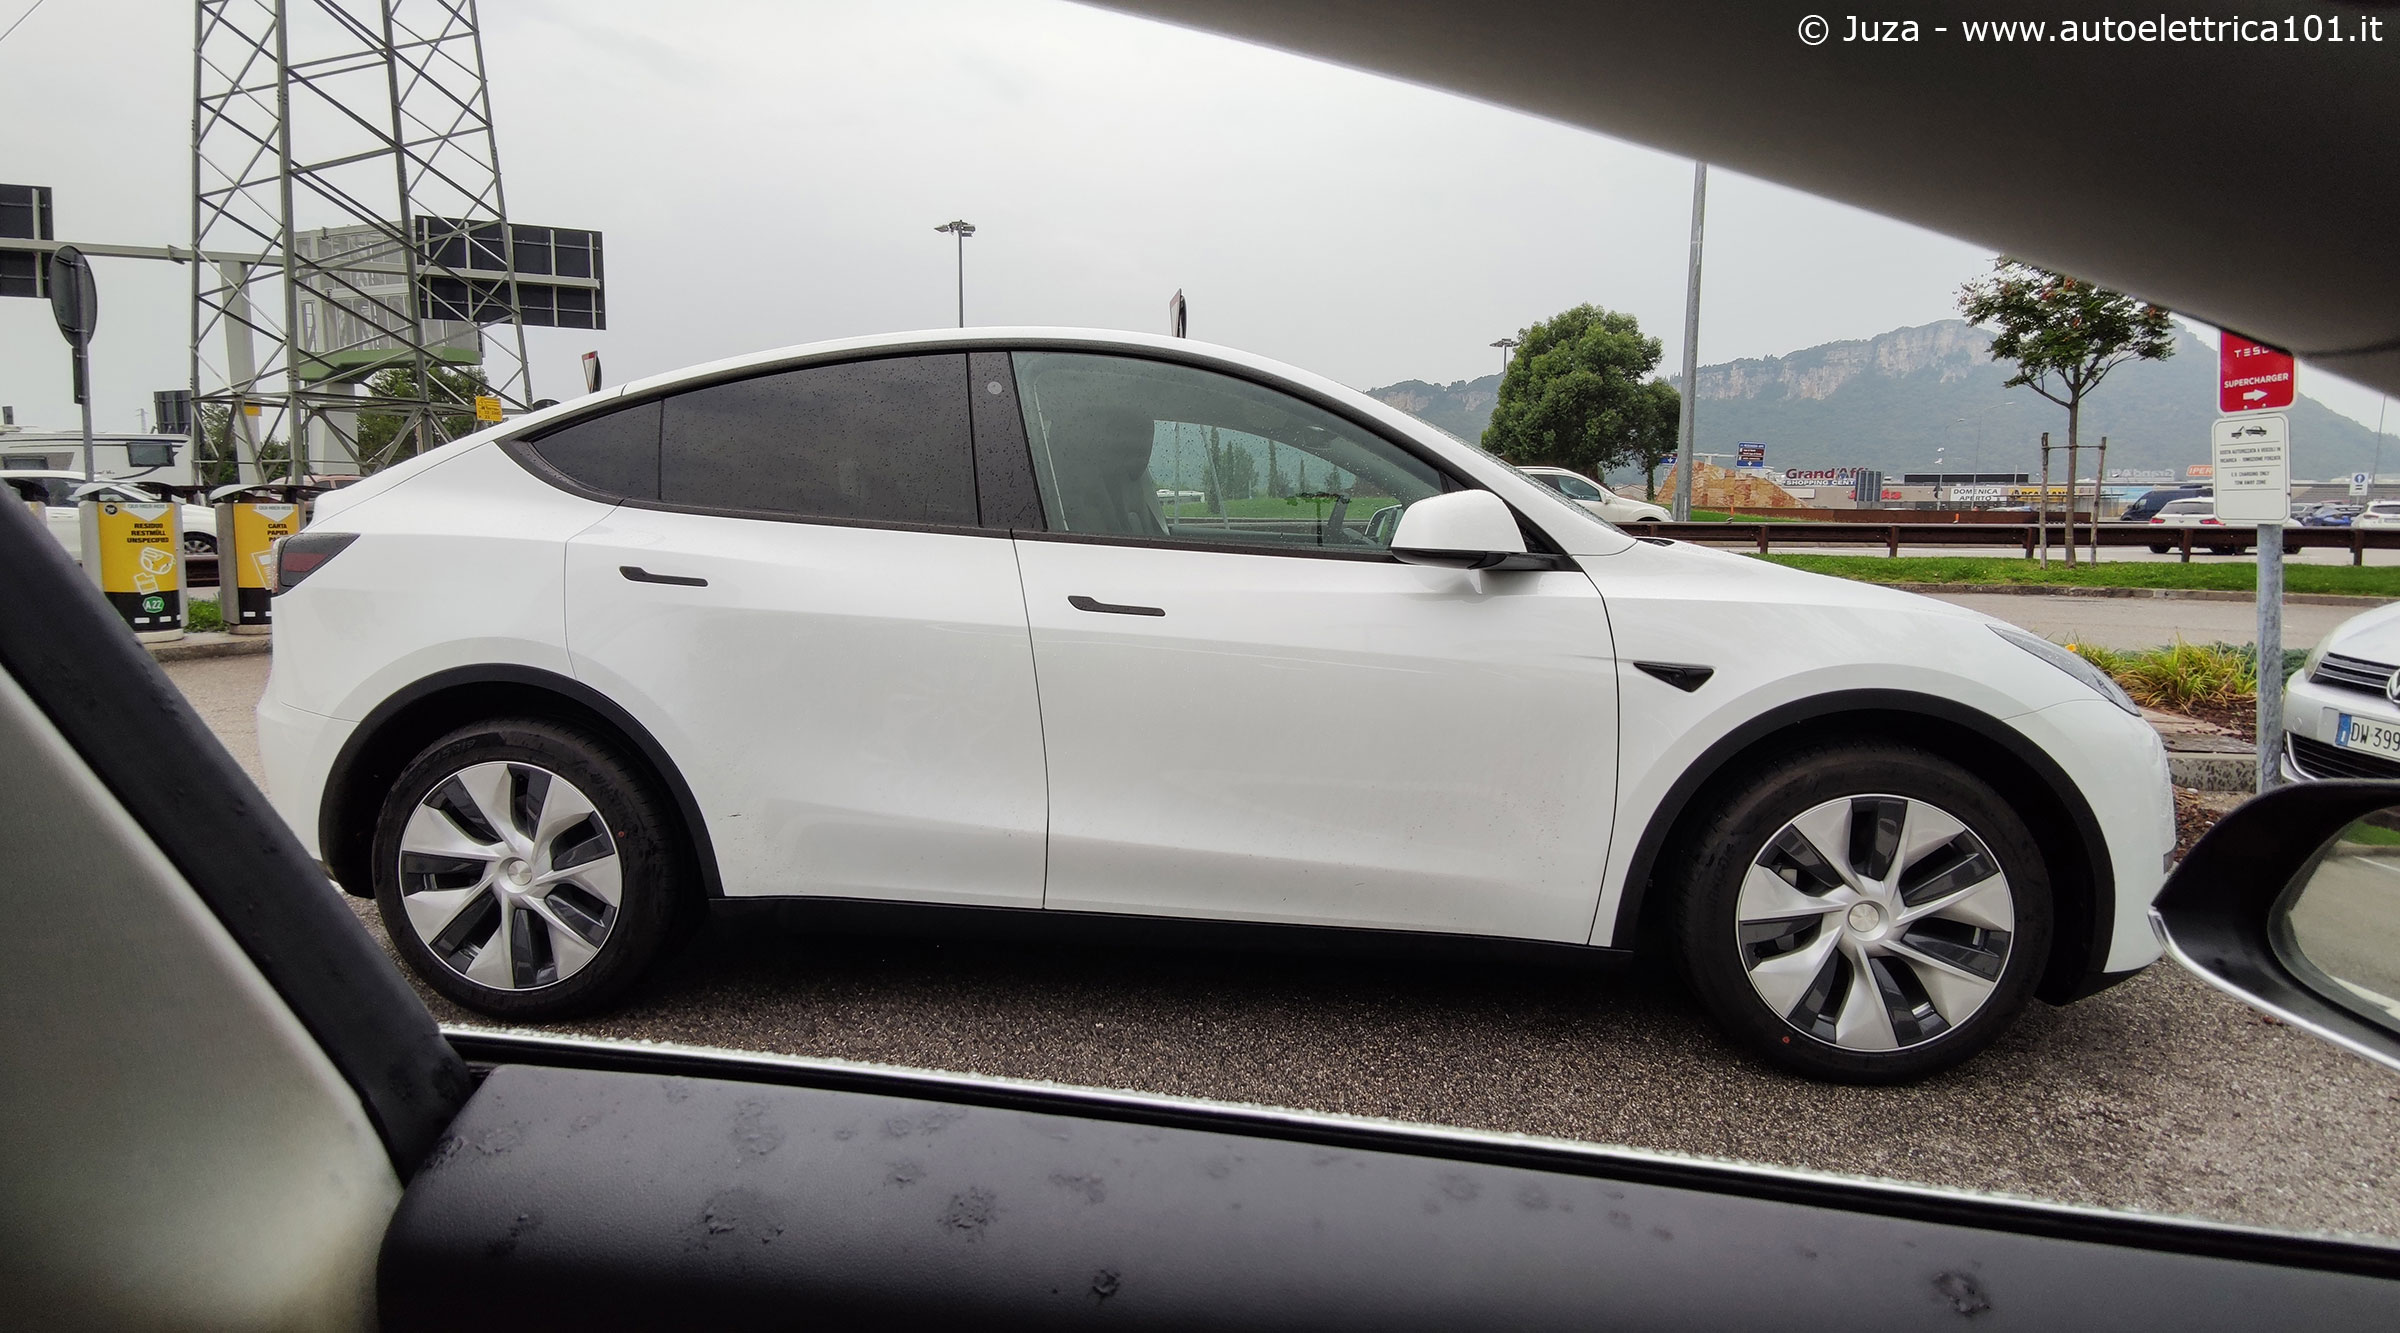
pixel 510 876
pixel 1875 922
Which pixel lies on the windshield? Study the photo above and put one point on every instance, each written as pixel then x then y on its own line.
pixel 1004 635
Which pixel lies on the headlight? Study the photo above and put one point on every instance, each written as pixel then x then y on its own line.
pixel 2100 681
pixel 2316 655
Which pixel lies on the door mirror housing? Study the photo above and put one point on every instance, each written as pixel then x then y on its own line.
pixel 1459 530
pixel 2289 904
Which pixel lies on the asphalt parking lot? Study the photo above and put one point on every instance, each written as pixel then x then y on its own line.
pixel 2159 1095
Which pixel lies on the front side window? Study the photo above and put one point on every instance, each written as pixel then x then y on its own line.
pixel 1574 488
pixel 1124 447
pixel 880 441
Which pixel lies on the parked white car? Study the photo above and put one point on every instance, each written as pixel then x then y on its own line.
pixel 900 620
pixel 2380 514
pixel 1596 497
pixel 56 492
pixel 2341 710
pixel 2216 534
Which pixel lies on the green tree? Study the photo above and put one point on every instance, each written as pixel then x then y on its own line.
pixel 2065 334
pixel 1580 394
pixel 455 389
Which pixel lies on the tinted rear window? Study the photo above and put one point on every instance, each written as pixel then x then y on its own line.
pixel 883 440
pixel 615 455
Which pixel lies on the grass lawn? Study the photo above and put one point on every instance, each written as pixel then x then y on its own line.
pixel 2224 575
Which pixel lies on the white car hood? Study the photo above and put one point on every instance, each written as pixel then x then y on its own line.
pixel 2373 635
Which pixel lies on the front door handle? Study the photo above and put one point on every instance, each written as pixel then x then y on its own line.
pixel 638 574
pixel 1082 603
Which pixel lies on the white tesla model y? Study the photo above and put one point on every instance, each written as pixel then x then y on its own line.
pixel 1060 622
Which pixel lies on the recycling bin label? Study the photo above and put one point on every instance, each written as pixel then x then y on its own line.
pixel 133 550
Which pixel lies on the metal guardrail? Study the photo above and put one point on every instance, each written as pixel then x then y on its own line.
pixel 2025 537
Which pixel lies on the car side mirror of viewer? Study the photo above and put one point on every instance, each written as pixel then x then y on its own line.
pixel 1459 530
pixel 2292 903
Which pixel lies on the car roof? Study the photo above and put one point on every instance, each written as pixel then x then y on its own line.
pixel 2159 206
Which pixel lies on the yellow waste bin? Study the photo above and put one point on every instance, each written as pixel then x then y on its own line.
pixel 135 553
pixel 250 520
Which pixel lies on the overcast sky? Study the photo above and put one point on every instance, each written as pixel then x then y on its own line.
pixel 770 173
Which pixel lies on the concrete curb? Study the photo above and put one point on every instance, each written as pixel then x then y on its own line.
pixel 211 644
pixel 2192 594
pixel 2213 772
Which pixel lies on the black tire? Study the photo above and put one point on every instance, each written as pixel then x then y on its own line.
pixel 2227 550
pixel 659 897
pixel 199 543
pixel 1721 852
pixel 2160 549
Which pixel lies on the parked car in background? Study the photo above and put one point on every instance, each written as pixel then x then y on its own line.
pixel 2329 514
pixel 901 619
pixel 57 493
pixel 2221 537
pixel 1596 497
pixel 2381 514
pixel 2147 505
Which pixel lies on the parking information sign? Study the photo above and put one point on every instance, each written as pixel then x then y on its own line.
pixel 2359 482
pixel 2252 458
pixel 2252 377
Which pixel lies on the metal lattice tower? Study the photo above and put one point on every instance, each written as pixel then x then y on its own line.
pixel 343 167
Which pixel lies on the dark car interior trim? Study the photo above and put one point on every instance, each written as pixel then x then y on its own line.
pixel 489 1050
pixel 73 657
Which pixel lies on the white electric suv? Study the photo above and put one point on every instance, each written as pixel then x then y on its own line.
pixel 1058 622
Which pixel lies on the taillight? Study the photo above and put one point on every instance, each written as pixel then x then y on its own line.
pixel 2212 522
pixel 2155 519
pixel 303 554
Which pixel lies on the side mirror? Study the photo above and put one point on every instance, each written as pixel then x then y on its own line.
pixel 2292 903
pixel 1460 530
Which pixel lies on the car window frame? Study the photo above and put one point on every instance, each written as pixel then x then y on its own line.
pixel 521 447
pixel 1007 492
pixel 1540 547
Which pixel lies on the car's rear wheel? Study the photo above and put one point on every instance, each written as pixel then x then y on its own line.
pixel 529 869
pixel 199 543
pixel 2160 548
pixel 1866 913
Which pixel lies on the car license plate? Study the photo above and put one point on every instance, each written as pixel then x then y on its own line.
pixel 2363 733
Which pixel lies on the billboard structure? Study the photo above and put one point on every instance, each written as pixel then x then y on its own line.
pixel 359 283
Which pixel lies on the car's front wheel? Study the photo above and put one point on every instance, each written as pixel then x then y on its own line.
pixel 1864 913
pixel 2160 548
pixel 529 869
pixel 199 543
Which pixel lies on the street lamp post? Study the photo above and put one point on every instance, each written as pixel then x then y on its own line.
pixel 961 229
pixel 1505 345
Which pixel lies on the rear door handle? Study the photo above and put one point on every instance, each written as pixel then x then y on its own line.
pixel 1082 603
pixel 638 574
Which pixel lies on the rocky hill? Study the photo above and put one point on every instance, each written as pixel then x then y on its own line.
pixel 1891 401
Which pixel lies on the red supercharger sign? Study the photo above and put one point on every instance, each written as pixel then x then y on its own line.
pixel 2252 377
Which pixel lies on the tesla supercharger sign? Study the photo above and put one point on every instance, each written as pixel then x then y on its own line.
pixel 2252 377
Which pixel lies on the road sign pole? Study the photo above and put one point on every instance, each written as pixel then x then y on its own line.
pixel 83 395
pixel 2270 655
pixel 2044 517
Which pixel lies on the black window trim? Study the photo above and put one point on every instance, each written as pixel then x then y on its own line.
pixel 1538 542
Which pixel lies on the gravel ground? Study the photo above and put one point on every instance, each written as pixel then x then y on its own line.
pixel 2159 1095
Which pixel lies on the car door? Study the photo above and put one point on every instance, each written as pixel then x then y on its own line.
pixel 1252 711
pixel 798 598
